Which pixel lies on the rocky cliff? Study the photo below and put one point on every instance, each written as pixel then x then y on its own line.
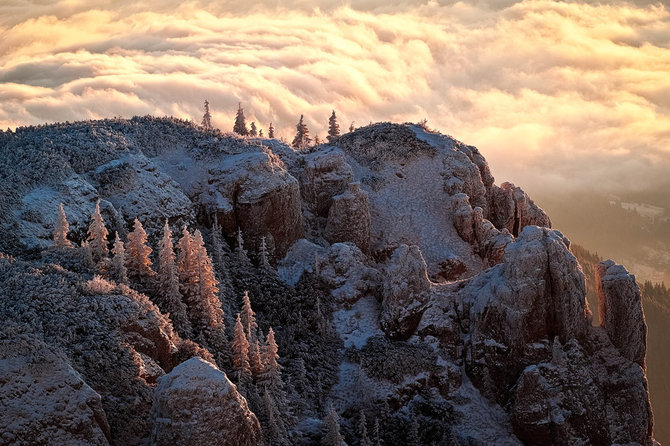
pixel 403 284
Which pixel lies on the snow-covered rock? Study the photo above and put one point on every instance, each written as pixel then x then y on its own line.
pixel 326 174
pixel 196 404
pixel 45 401
pixel 345 269
pixel 620 311
pixel 349 218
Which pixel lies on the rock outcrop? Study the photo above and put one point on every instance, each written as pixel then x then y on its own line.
pixel 44 401
pixel 512 209
pixel 620 311
pixel 349 218
pixel 347 272
pixel 196 404
pixel 326 174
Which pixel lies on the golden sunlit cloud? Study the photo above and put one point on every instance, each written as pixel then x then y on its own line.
pixel 555 94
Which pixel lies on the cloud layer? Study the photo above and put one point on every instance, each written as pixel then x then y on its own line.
pixel 554 94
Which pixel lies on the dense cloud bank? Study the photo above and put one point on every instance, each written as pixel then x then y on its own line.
pixel 555 94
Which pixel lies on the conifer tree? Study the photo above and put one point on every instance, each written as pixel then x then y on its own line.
pixel 171 299
pixel 207 117
pixel 97 235
pixel 138 261
pixel 413 437
pixel 185 261
pixel 333 127
pixel 263 254
pixel 260 133
pixel 240 126
pixel 351 127
pixel 362 431
pixel 271 131
pixel 240 252
pixel 255 361
pixel 302 138
pixel 248 318
pixel 332 436
pixel 253 131
pixel 271 369
pixel 240 350
pixel 62 228
pixel 272 431
pixel 204 303
pixel 317 140
pixel 118 267
pixel 376 434
pixel 221 267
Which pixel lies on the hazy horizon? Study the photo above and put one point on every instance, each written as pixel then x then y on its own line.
pixel 556 95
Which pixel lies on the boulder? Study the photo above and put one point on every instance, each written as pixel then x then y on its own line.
pixel 326 174
pixel 44 400
pixel 346 271
pixel 349 218
pixel 196 404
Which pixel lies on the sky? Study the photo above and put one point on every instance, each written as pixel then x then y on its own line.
pixel 556 95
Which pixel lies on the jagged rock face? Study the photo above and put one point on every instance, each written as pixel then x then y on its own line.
pixel 512 209
pixel 620 310
pixel 196 404
pixel 405 290
pixel 44 401
pixel 349 218
pixel 345 269
pixel 326 174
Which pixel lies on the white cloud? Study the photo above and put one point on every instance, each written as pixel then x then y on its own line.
pixel 554 94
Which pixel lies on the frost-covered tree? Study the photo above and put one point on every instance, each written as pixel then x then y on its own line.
pixel 271 131
pixel 332 436
pixel 362 431
pixel 271 376
pixel 171 300
pixel 376 434
pixel 302 138
pixel 253 131
pixel 333 127
pixel 240 350
pixel 260 133
pixel 351 127
pixel 221 265
pixel 205 305
pixel 118 270
pixel 240 252
pixel 240 126
pixel 255 361
pixel 248 318
pixel 138 261
pixel 272 430
pixel 185 260
pixel 263 254
pixel 62 228
pixel 97 235
pixel 207 117
pixel 413 436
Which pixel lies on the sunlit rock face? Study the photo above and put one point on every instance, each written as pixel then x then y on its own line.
pixel 408 286
pixel 196 404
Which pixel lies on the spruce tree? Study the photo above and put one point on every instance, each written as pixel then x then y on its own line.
pixel 118 267
pixel 204 303
pixel 362 431
pixel 240 126
pixel 138 261
pixel 240 252
pixel 207 117
pixel 253 131
pixel 317 140
pixel 185 261
pixel 263 254
pixel 240 349
pixel 62 228
pixel 260 133
pixel 302 138
pixel 168 281
pixel 97 235
pixel 351 127
pixel 333 128
pixel 248 318
pixel 332 436
pixel 271 376
pixel 376 434
pixel 255 361
pixel 271 132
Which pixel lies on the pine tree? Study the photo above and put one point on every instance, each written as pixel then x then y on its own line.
pixel 376 434
pixel 118 267
pixel 263 254
pixel 351 127
pixel 171 299
pixel 271 132
pixel 220 265
pixel 138 261
pixel 240 252
pixel 332 436
pixel 413 436
pixel 271 376
pixel 240 126
pixel 272 431
pixel 62 228
pixel 253 131
pixel 362 431
pixel 97 235
pixel 317 140
pixel 207 117
pixel 260 133
pixel 333 128
pixel 204 304
pixel 240 350
pixel 248 318
pixel 185 261
pixel 255 361
pixel 302 138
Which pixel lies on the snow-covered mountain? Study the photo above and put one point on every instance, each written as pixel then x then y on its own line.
pixel 412 298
